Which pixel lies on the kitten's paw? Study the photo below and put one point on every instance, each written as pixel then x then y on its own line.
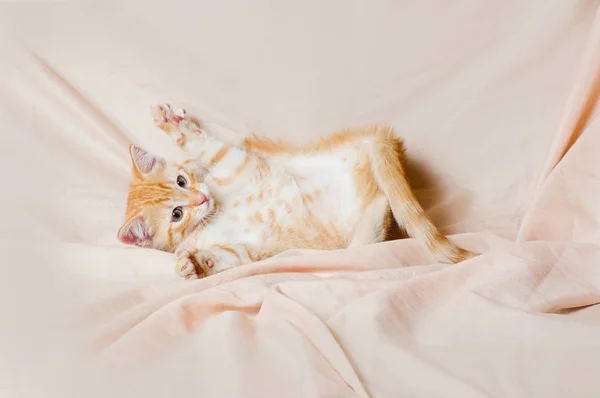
pixel 176 122
pixel 185 266
pixel 194 264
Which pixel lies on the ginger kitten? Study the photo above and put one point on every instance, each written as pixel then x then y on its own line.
pixel 232 204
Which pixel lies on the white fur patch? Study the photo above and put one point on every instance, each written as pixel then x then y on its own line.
pixel 329 177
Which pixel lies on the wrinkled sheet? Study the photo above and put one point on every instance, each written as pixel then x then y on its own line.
pixel 497 102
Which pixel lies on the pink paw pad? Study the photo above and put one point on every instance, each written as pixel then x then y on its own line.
pixel 186 266
pixel 210 263
pixel 179 140
pixel 178 115
pixel 180 252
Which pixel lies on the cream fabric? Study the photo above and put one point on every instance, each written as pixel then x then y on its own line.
pixel 497 104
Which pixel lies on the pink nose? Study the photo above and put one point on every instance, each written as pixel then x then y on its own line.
pixel 198 199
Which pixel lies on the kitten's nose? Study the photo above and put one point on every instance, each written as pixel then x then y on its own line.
pixel 198 199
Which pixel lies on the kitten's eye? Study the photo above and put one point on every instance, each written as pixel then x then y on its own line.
pixel 177 214
pixel 181 181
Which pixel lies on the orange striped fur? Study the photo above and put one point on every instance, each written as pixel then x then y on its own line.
pixel 244 203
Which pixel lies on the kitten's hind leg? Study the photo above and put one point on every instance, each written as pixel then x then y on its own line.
pixel 373 223
pixel 387 152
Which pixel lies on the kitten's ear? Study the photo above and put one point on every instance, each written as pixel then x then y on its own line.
pixel 143 161
pixel 135 231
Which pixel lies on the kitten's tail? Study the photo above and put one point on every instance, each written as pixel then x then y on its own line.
pixel 386 162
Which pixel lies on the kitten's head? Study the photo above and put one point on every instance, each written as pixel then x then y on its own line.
pixel 167 201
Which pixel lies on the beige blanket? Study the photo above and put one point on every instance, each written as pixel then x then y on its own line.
pixel 497 103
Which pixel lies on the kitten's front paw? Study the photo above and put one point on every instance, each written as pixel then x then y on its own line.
pixel 194 264
pixel 175 122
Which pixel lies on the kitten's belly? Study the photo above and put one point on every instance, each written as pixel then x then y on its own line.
pixel 312 202
pixel 329 183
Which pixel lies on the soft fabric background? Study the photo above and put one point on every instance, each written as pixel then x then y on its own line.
pixel 497 103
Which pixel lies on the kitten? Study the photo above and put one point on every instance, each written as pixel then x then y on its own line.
pixel 233 204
